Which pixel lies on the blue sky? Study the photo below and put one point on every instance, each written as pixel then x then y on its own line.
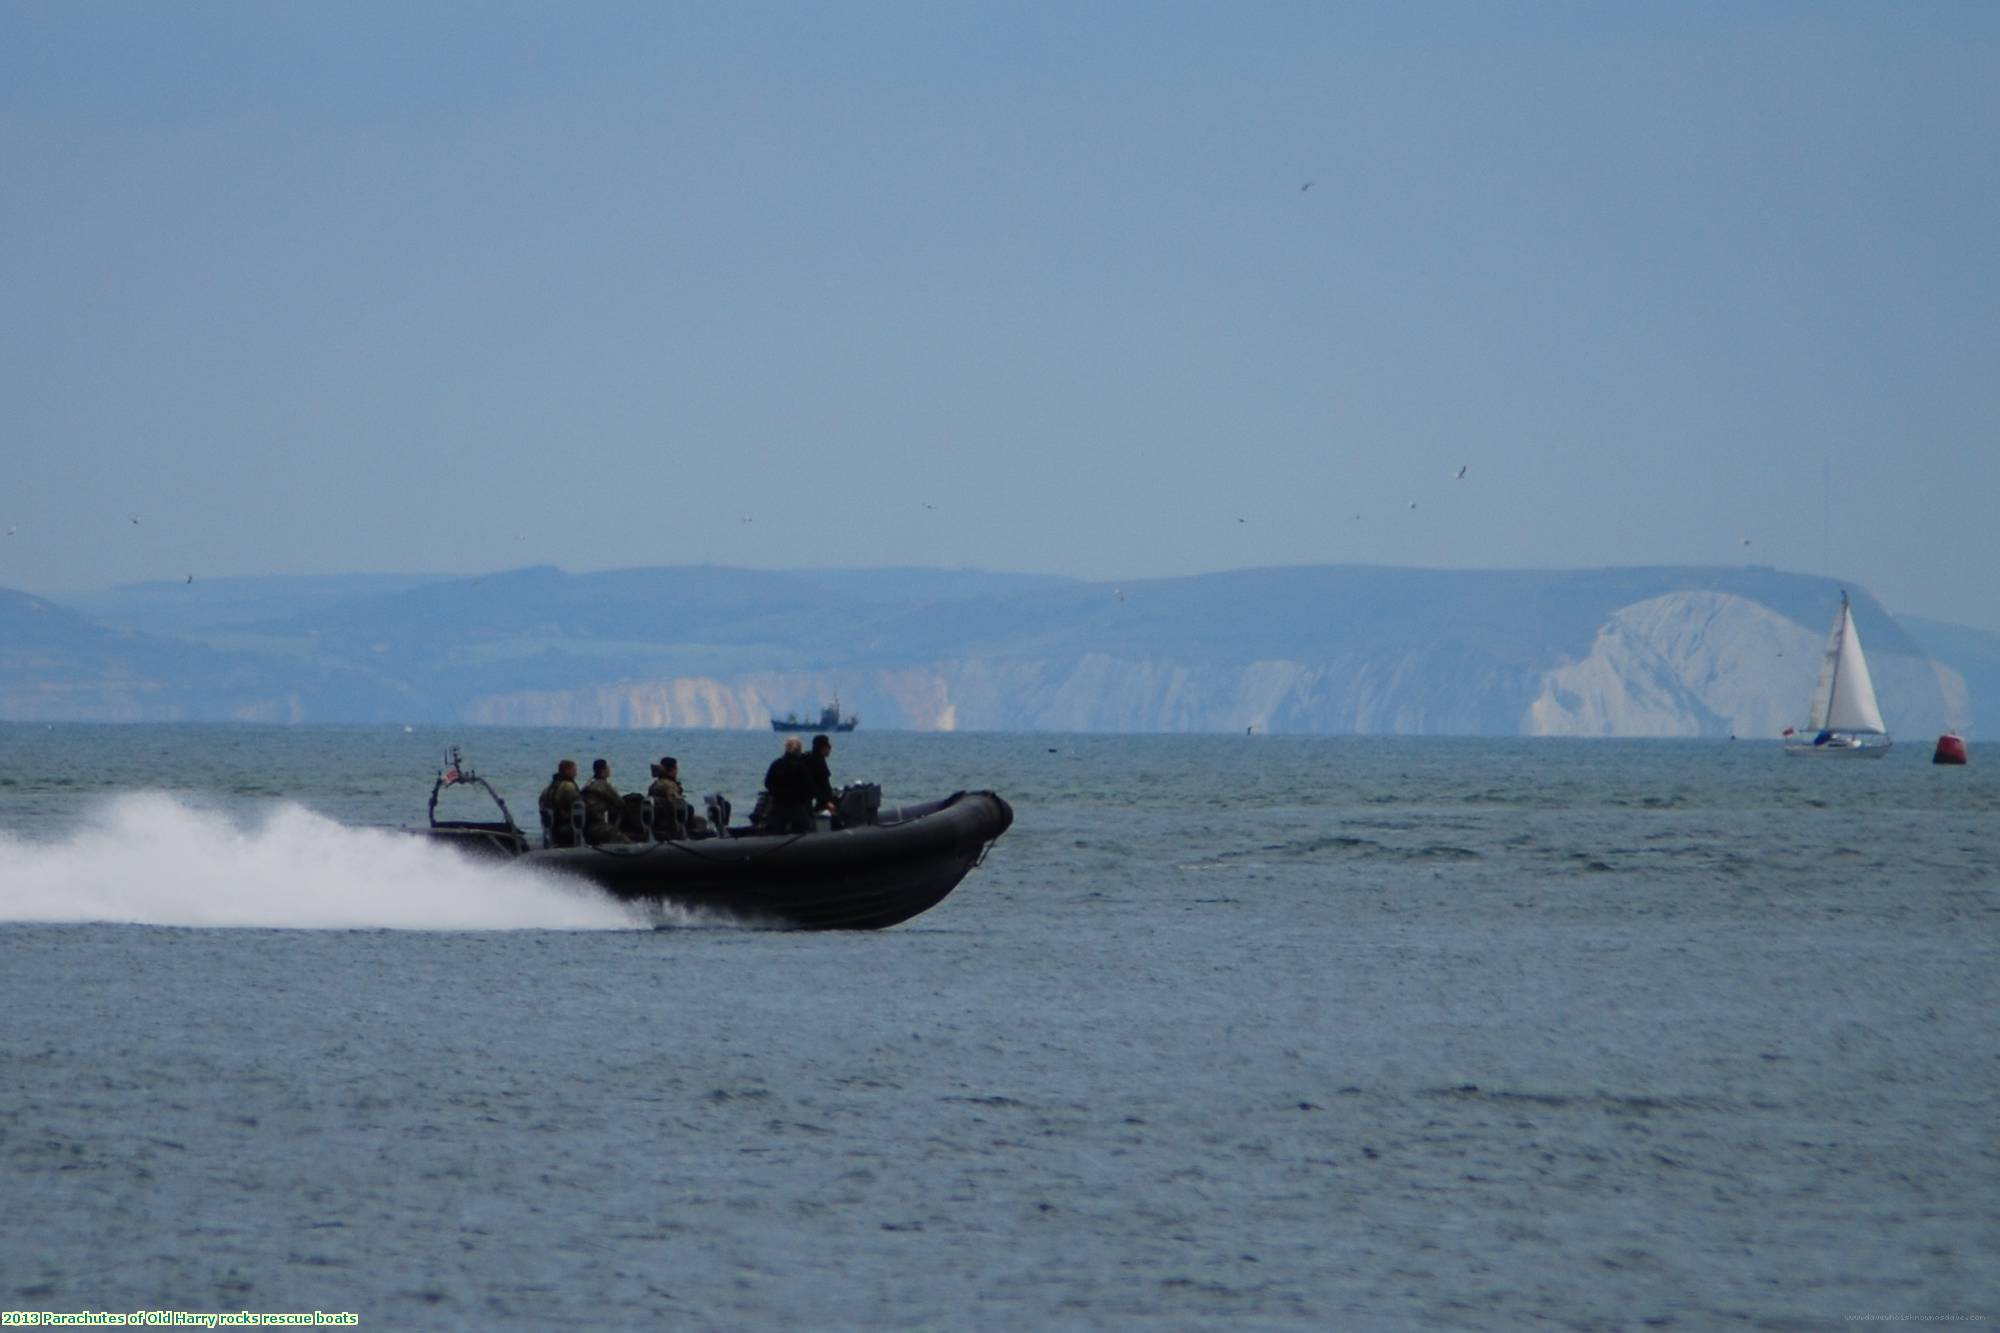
pixel 1033 287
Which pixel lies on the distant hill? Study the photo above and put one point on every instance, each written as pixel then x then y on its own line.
pixel 57 666
pixel 1332 649
pixel 898 584
pixel 180 606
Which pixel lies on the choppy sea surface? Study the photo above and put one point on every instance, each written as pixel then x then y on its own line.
pixel 1261 1032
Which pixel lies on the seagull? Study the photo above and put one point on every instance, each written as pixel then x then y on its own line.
pixel 1241 519
pixel 1413 504
pixel 1119 593
pixel 1461 474
pixel 1307 186
pixel 135 520
pixel 190 578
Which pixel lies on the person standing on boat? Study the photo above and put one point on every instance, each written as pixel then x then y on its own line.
pixel 603 807
pixel 822 776
pixel 788 791
pixel 557 798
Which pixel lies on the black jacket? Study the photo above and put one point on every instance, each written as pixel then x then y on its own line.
pixel 787 780
pixel 819 778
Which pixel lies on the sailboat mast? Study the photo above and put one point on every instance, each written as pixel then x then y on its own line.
pixel 1829 669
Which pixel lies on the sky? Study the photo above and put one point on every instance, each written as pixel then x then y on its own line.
pixel 1111 290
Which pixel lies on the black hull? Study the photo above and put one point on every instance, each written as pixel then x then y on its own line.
pixel 855 879
pixel 776 725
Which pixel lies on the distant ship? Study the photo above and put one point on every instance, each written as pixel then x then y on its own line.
pixel 829 720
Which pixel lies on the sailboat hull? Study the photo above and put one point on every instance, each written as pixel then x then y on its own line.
pixel 1839 748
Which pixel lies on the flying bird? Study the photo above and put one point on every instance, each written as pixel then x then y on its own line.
pixel 1461 474
pixel 1307 186
pixel 190 578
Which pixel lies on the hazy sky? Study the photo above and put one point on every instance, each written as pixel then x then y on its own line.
pixel 434 287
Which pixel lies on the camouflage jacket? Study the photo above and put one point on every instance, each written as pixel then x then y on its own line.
pixel 602 803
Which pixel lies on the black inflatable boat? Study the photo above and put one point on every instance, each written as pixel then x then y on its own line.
pixel 874 867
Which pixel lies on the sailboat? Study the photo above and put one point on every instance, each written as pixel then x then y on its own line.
pixel 1846 720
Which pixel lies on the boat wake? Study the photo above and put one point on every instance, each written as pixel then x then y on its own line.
pixel 151 859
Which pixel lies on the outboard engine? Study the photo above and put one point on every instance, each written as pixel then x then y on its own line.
pixel 857 805
pixel 718 812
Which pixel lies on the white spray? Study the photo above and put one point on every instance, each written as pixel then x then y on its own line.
pixel 154 860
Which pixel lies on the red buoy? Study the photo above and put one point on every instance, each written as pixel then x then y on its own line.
pixel 1950 749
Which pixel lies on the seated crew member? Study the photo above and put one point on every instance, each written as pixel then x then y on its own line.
pixel 673 817
pixel 557 798
pixel 603 807
pixel 788 789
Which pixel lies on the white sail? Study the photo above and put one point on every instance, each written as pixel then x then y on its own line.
pixel 1844 711
pixel 1852 706
pixel 1844 699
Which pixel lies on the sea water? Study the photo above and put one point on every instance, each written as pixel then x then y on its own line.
pixel 1264 1032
